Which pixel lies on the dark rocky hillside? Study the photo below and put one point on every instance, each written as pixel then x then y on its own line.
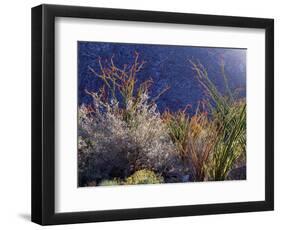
pixel 166 65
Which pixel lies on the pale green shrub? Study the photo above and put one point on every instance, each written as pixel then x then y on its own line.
pixel 144 176
pixel 109 182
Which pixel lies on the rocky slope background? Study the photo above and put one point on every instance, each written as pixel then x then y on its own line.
pixel 166 65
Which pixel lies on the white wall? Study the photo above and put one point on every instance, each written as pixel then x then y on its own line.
pixel 15 113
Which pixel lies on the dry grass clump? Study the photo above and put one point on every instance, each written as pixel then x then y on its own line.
pixel 195 137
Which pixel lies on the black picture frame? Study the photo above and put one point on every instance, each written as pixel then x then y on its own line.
pixel 43 114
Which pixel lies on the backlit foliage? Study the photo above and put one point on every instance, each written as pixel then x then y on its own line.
pixel 123 138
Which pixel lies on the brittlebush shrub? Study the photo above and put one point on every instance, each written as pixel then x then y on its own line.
pixel 144 176
pixel 110 182
pixel 112 148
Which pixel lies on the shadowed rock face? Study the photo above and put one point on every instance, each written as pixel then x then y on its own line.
pixel 166 65
pixel 237 173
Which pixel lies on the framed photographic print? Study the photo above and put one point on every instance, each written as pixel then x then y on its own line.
pixel 141 114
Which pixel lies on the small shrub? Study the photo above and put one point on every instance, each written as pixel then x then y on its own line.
pixel 109 182
pixel 144 176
